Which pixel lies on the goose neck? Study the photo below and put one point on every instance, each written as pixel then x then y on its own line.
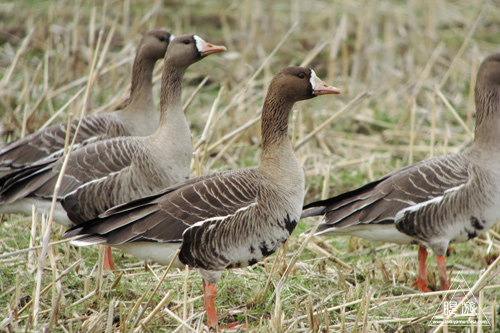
pixel 487 131
pixel 171 93
pixel 142 81
pixel 275 114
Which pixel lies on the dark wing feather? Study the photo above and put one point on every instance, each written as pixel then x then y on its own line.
pixel 89 163
pixel 163 217
pixel 381 200
pixel 50 142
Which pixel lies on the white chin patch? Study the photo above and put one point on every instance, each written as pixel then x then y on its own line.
pixel 200 43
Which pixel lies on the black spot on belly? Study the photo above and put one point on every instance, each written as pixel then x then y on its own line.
pixel 252 261
pixel 264 250
pixel 290 224
pixel 472 234
pixel 474 221
pixel 252 249
pixel 238 264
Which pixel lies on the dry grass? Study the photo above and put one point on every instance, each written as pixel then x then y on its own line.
pixel 417 58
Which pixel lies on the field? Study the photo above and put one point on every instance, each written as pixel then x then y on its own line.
pixel 406 70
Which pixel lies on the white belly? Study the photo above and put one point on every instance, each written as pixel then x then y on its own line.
pixel 161 253
pixel 372 232
pixel 25 206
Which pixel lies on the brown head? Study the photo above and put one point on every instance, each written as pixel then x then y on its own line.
pixel 290 85
pixel 488 75
pixel 299 83
pixel 488 99
pixel 154 44
pixel 187 49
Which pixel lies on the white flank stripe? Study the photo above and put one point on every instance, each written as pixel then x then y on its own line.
pixel 218 218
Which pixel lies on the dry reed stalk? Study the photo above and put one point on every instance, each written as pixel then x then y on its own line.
pixel 165 299
pixel 277 315
pixel 315 248
pixel 492 270
pixel 153 293
pixel 313 53
pixel 471 32
pixel 61 110
pixel 224 149
pixel 336 115
pixel 195 92
pixel 455 114
pixel 412 132
pixel 32 248
pixel 185 300
pixel 20 51
pixel 242 89
pixel 206 134
pixel 49 286
pixel 235 132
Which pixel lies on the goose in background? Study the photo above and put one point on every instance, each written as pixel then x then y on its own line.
pixel 107 173
pixel 139 118
pixel 432 203
pixel 224 220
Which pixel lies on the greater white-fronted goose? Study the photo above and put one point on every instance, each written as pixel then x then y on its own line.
pixel 227 219
pixel 138 118
pixel 451 198
pixel 110 172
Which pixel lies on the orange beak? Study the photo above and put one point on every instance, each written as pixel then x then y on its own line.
pixel 322 88
pixel 206 48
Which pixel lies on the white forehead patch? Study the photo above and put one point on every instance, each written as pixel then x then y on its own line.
pixel 314 78
pixel 199 43
pixel 316 83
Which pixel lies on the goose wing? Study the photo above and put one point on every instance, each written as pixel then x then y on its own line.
pixel 90 163
pixel 50 142
pixel 165 216
pixel 381 200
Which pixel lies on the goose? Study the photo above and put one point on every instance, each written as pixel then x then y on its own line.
pixel 227 219
pixel 138 118
pixel 432 203
pixel 110 172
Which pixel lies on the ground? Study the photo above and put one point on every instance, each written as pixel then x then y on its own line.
pixel 416 59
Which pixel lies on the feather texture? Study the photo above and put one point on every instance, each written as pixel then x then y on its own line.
pixel 451 198
pixel 111 172
pixel 137 119
pixel 227 219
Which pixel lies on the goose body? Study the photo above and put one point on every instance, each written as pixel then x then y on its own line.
pixel 227 219
pixel 139 118
pixel 110 172
pixel 434 202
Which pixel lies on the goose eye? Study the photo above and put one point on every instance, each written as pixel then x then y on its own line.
pixel 301 75
pixel 162 39
pixel 186 41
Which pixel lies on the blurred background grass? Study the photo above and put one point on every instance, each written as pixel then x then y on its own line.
pixel 412 56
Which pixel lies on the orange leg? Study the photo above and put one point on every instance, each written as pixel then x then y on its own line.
pixel 108 264
pixel 443 278
pixel 421 281
pixel 210 292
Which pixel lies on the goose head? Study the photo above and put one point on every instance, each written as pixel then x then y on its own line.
pixel 487 132
pixel 154 44
pixel 300 83
pixel 488 76
pixel 187 49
